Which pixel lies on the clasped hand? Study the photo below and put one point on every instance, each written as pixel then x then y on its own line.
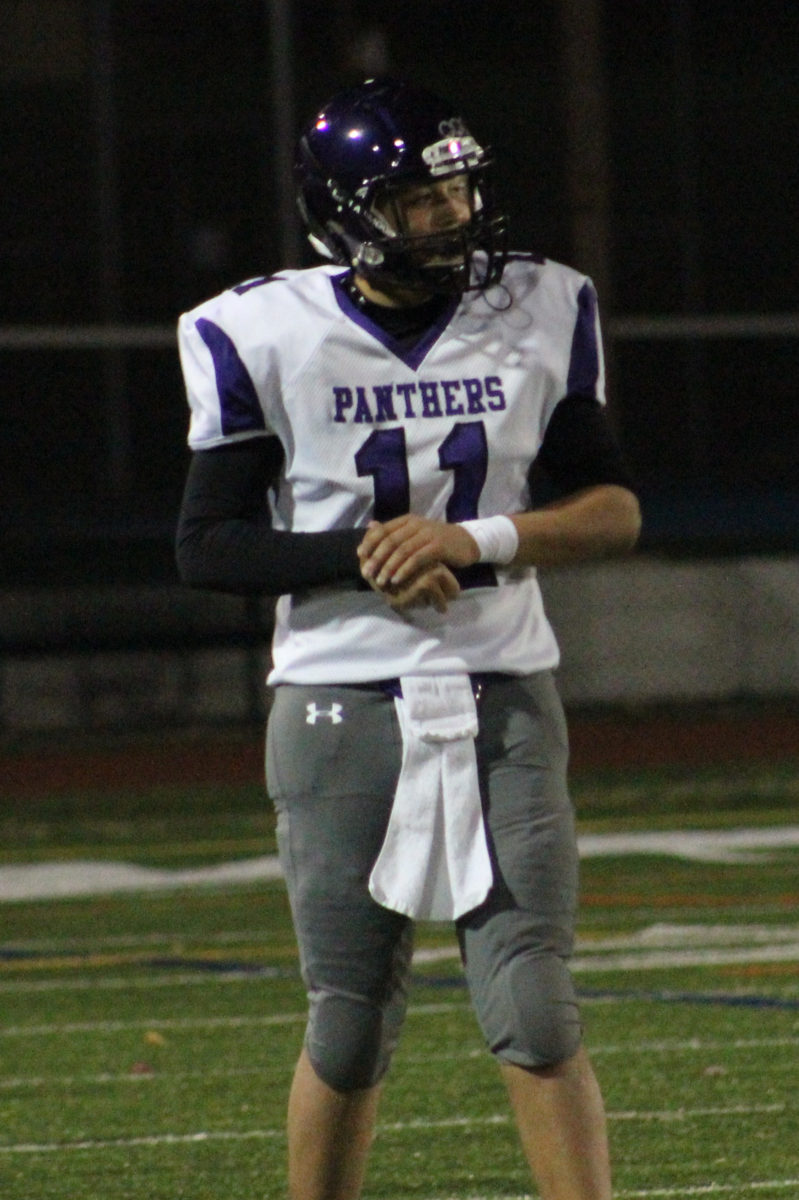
pixel 409 560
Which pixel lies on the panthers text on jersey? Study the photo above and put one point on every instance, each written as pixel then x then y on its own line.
pixel 371 430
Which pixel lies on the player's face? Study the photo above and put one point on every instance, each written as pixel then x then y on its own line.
pixel 429 208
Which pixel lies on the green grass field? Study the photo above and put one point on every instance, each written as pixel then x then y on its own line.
pixel 148 1035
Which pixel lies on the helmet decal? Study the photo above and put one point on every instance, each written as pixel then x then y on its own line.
pixel 452 154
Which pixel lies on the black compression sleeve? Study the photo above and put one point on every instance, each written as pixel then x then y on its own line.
pixel 579 450
pixel 225 541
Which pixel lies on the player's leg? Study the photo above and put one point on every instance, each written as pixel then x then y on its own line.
pixel 561 1121
pixel 332 759
pixel 516 945
pixel 329 1136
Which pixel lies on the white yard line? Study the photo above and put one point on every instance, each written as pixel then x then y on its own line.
pixel 401 1127
pixel 131 983
pixel 640 951
pixel 693 1045
pixel 40 881
pixel 660 959
pixel 663 1193
pixel 89 877
pixel 178 1023
pixel 21 1082
pixel 185 1023
pixel 700 845
pixel 712 1189
pixel 155 1139
pixel 676 1045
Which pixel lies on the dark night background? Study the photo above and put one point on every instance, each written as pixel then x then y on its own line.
pixel 143 145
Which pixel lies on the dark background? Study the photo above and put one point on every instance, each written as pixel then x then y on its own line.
pixel 145 147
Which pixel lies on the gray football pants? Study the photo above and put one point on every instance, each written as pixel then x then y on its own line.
pixel 333 756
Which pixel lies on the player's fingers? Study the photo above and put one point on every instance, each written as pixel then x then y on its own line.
pixel 440 587
pixel 431 542
pixel 395 528
pixel 437 598
pixel 371 539
pixel 406 521
pixel 407 559
pixel 386 534
pixel 447 586
pixel 436 586
pixel 449 583
pixel 393 548
pixel 406 546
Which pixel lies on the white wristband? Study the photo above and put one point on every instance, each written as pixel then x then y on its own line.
pixel 496 538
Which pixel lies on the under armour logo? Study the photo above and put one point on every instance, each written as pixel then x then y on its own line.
pixel 332 714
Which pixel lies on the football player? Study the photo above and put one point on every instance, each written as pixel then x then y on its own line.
pixel 391 443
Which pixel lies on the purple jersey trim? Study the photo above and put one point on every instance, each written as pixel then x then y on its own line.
pixel 584 361
pixel 413 356
pixel 238 399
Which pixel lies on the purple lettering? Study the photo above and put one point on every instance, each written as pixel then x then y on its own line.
pixel 343 399
pixel 474 390
pixel 437 398
pixel 385 406
pixel 494 390
pixel 405 390
pixel 429 393
pixel 362 412
pixel 449 388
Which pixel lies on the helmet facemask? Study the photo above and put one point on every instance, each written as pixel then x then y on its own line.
pixel 455 259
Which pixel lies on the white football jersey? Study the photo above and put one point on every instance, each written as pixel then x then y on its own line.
pixel 447 429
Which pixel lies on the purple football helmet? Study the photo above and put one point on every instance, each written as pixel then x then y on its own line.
pixel 359 150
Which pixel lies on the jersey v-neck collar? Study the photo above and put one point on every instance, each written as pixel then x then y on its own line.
pixel 412 355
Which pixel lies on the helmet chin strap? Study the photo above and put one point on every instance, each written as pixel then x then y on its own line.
pixel 417 287
pixel 385 290
pixel 373 262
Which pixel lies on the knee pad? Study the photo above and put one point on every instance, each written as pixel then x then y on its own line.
pixel 532 1017
pixel 349 1040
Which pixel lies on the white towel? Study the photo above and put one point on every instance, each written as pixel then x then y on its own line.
pixel 434 863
